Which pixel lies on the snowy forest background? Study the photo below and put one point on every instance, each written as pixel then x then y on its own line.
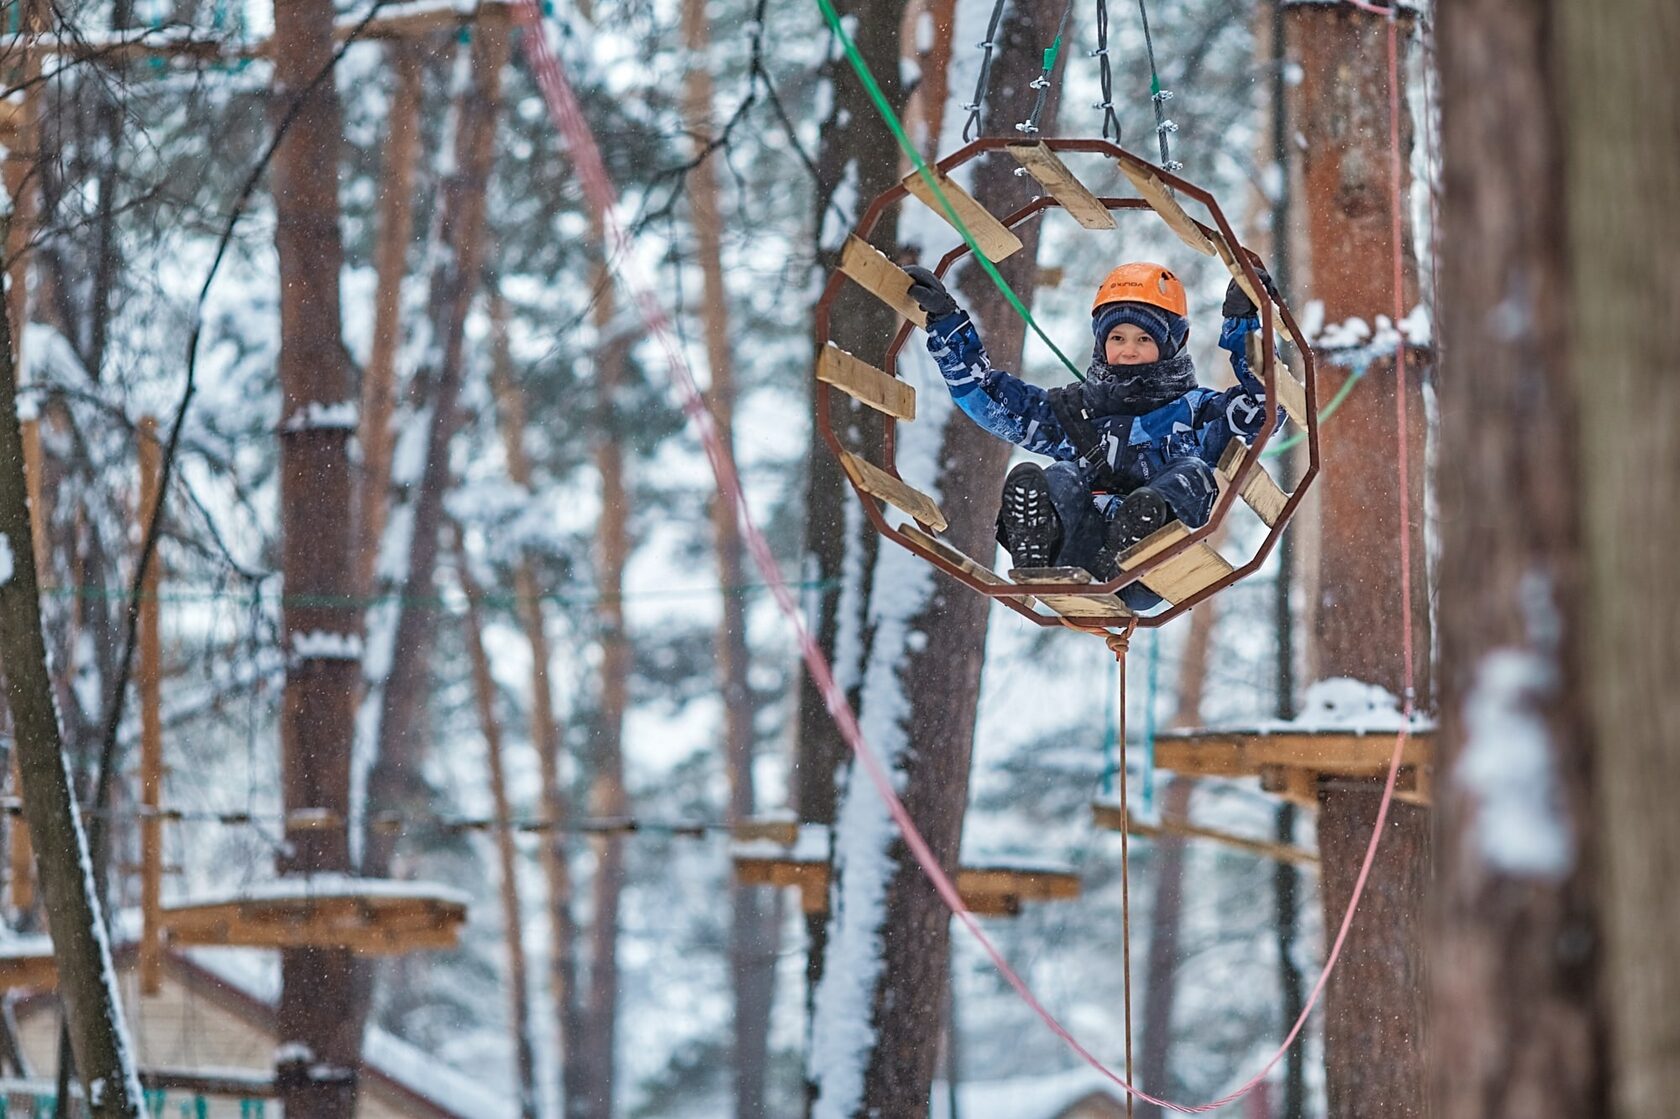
pixel 126 235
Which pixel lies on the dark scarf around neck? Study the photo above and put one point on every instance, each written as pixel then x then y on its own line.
pixel 1136 390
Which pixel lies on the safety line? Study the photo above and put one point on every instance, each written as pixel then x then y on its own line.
pixel 861 68
pixel 568 117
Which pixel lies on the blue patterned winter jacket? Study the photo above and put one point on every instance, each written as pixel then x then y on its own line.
pixel 1200 423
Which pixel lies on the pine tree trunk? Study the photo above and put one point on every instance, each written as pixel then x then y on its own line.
pixel 396 227
pixel 1166 913
pixel 595 1071
pixel 87 985
pixel 839 551
pixel 395 781
pixel 320 1034
pixel 507 855
pixel 1374 1006
pixel 932 658
pixel 1518 1022
pixel 752 952
pixel 1621 114
pixel 546 736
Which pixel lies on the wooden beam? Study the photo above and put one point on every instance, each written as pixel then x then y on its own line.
pixel 1153 191
pixel 872 480
pixel 987 890
pixel 1045 166
pixel 1259 489
pixel 994 238
pixel 1242 753
pixel 1298 786
pixel 34 971
pixel 1188 573
pixel 784 832
pixel 955 556
pixel 1110 816
pixel 870 269
pixel 862 381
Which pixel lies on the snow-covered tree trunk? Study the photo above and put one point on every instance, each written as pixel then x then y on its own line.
pixel 546 737
pixel 319 1032
pixel 87 983
pixel 395 781
pixel 591 1074
pixel 877 1019
pixel 839 547
pixel 379 381
pixel 1166 912
pixel 507 855
pixel 1374 1006
pixel 1519 1022
pixel 752 950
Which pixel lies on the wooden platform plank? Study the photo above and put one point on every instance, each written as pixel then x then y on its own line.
pixel 870 269
pixel 986 890
pixel 994 238
pixel 955 556
pixel 1160 199
pixel 871 479
pixel 1047 167
pixel 1109 816
pixel 1247 753
pixel 1260 490
pixel 862 381
pixel 1291 393
pixel 1188 573
pixel 1083 607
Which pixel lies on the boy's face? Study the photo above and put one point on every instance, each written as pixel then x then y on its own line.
pixel 1130 345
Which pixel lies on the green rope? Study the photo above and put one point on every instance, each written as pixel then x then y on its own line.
pixel 861 68
pixel 1324 413
pixel 1149 722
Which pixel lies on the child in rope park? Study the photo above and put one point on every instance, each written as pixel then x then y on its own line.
pixel 1135 443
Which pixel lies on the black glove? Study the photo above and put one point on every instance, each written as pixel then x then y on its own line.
pixel 1238 304
pixel 929 293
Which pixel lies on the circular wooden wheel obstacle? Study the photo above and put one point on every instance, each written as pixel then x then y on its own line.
pixel 1177 563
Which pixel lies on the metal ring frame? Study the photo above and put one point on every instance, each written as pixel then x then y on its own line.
pixel 1017 596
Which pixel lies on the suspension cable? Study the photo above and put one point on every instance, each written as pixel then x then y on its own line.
pixel 1106 105
pixel 1163 125
pixel 1041 84
pixel 971 129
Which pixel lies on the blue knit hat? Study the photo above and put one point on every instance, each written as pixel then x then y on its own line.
pixel 1167 329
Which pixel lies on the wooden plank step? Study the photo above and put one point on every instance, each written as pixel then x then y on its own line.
pixel 862 381
pixel 1078 606
pixel 1291 393
pixel 1045 166
pixel 1259 489
pixel 993 237
pixel 1153 191
pixel 955 556
pixel 870 269
pixel 1184 575
pixel 871 479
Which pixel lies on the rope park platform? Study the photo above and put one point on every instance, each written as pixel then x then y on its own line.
pixel 784 853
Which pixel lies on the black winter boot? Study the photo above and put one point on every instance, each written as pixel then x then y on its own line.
pixel 1143 512
pixel 1027 522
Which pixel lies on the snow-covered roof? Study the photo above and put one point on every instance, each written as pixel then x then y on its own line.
pixel 1341 705
pixel 307 886
pixel 1023 1097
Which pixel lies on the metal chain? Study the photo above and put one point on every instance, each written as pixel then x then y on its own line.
pixel 1106 105
pixel 971 128
pixel 1042 83
pixel 1163 126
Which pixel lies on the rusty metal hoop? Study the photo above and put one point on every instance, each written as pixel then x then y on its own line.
pixel 1174 551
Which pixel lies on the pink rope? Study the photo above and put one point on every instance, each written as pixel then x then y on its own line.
pixel 568 118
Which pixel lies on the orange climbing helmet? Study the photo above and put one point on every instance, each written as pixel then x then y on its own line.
pixel 1143 282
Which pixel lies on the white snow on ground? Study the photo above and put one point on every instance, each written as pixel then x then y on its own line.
pixel 6 562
